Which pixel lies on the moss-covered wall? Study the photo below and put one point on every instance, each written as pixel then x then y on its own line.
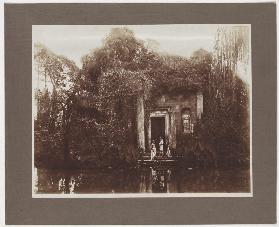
pixel 174 103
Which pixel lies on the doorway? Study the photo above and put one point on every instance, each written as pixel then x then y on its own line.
pixel 157 128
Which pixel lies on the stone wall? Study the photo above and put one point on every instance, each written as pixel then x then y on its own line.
pixel 175 105
pixel 172 106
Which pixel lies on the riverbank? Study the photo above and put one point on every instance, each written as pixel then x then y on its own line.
pixel 52 162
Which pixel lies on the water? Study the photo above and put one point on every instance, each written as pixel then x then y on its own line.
pixel 141 180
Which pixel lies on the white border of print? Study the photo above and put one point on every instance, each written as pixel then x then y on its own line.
pixel 148 195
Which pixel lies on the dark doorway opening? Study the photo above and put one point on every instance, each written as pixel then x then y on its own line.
pixel 157 128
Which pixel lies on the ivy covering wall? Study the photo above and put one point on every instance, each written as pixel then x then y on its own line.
pixel 90 113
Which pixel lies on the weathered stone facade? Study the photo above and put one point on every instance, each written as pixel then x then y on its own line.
pixel 172 114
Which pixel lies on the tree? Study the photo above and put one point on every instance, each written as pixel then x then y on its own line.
pixel 94 109
pixel 118 73
pixel 63 75
pixel 226 119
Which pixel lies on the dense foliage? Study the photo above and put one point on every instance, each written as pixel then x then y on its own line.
pixel 91 112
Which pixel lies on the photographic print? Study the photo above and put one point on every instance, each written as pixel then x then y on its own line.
pixel 142 110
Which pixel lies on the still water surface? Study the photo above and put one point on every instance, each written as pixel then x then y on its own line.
pixel 141 180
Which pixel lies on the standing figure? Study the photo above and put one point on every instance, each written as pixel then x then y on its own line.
pixel 161 146
pixel 153 150
pixel 168 151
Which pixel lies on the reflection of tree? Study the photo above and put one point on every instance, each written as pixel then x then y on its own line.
pixel 145 180
pixel 70 182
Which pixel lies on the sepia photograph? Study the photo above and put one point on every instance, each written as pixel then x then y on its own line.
pixel 142 110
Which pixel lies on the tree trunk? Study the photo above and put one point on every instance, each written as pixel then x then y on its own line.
pixel 66 131
pixel 66 152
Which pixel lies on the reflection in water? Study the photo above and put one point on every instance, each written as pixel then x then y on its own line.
pixel 141 180
pixel 160 180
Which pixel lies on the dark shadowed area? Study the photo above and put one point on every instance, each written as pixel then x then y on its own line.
pixel 142 180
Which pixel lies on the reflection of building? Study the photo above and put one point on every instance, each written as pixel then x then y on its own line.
pixel 173 113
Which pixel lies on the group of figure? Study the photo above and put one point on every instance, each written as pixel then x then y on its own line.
pixel 163 149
